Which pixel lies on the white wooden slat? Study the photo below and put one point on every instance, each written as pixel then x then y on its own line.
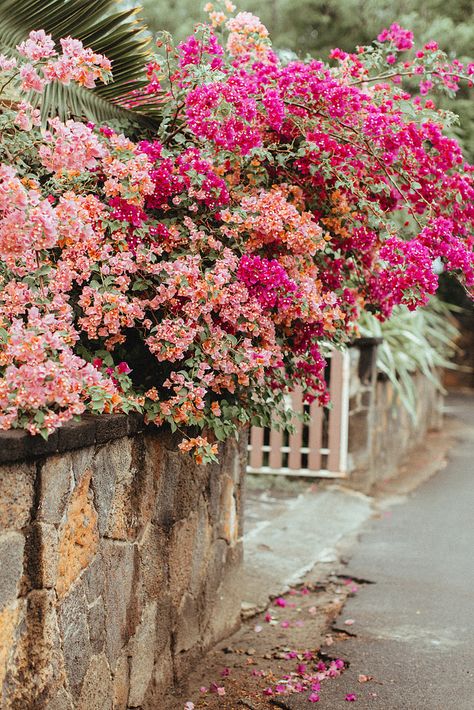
pixel 256 443
pixel 296 439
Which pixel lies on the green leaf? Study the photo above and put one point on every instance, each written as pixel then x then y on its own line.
pixel 119 35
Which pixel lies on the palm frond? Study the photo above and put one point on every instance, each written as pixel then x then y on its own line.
pixel 117 34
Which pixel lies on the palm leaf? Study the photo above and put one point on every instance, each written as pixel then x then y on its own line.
pixel 413 341
pixel 98 24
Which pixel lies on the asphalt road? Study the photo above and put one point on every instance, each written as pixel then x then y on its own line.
pixel 415 624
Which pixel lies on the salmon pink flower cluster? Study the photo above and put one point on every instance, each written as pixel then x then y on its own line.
pixel 75 63
pixel 198 271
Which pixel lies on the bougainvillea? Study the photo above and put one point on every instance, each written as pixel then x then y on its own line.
pixel 197 273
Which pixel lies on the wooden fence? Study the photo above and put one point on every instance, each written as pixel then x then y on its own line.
pixel 317 449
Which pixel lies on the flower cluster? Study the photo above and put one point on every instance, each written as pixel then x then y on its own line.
pixel 75 63
pixel 197 272
pixel 248 37
pixel 44 383
pixel 398 36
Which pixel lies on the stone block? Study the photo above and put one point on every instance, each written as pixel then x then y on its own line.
pixel 214 574
pixel 78 536
pixel 214 496
pixel 220 617
pixel 141 651
pixel 179 482
pixel 157 461
pixel 94 577
pixel 202 550
pixel 56 483
pixel 134 497
pixel 61 701
pixel 11 617
pixel 75 637
pixel 181 555
pixel 164 626
pixel 186 632
pixel 35 671
pixel 358 431
pixel 120 596
pixel 153 561
pixel 163 678
pixel 96 692
pixel 121 683
pixel 16 495
pixel 11 566
pixel 229 456
pixel 112 467
pixel 82 461
pixel 96 622
pixel 229 527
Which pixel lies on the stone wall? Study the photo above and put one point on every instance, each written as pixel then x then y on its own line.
pixel 381 432
pixel 119 560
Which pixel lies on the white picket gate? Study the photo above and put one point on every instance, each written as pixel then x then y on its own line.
pixel 317 449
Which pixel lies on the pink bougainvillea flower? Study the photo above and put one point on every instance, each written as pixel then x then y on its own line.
pixel 123 368
pixel 38 46
pixel 280 601
pixel 313 698
pixel 351 697
pixel 217 689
